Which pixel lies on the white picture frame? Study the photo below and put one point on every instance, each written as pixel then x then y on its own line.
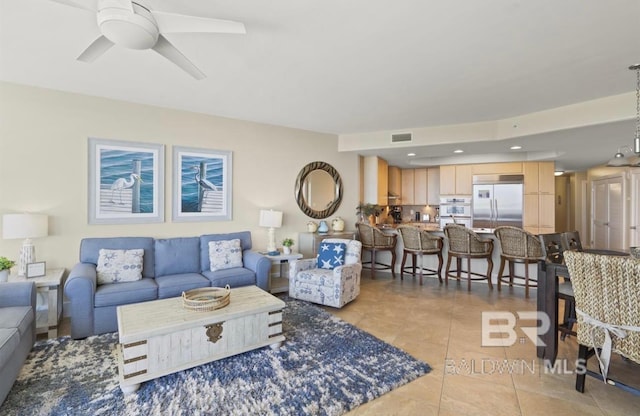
pixel 36 269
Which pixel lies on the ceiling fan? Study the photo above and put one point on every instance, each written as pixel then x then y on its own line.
pixel 132 24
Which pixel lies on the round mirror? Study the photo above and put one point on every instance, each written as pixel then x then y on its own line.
pixel 318 190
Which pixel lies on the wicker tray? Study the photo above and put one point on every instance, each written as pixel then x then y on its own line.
pixel 206 299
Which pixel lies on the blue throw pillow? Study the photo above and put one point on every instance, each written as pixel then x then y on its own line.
pixel 331 255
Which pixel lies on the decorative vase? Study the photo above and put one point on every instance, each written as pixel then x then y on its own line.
pixel 323 227
pixel 312 227
pixel 4 275
pixel 337 224
pixel 286 250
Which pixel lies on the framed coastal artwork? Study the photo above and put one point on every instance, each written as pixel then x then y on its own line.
pixel 126 182
pixel 201 184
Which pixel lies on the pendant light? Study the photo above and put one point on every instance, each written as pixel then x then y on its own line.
pixel 619 159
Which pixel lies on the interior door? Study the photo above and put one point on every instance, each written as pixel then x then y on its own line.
pixel 607 212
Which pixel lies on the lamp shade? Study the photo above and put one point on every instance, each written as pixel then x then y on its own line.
pixel 270 218
pixel 24 226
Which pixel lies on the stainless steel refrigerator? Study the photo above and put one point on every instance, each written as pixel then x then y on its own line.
pixel 497 200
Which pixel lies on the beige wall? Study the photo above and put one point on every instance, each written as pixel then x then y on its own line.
pixel 43 166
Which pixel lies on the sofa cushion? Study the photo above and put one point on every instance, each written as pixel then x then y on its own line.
pixel 90 250
pixel 245 243
pixel 236 277
pixel 19 317
pixel 225 254
pixel 9 341
pixel 173 285
pixel 116 266
pixel 125 293
pixel 331 255
pixel 177 256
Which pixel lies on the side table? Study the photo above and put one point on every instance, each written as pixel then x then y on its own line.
pixel 280 283
pixel 48 286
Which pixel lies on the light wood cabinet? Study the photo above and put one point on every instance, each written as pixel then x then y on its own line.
pixel 464 179
pixel 530 170
pixel 395 184
pixel 383 182
pixel 433 186
pixel 456 179
pixel 448 180
pixel 376 180
pixel 497 168
pixel 420 186
pixel 407 186
pixel 539 197
pixel 546 178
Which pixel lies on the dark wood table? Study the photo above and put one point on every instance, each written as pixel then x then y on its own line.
pixel 548 274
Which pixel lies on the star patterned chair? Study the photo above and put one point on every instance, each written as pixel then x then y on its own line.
pixel 332 278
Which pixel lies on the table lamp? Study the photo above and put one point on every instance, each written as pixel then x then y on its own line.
pixel 25 226
pixel 273 220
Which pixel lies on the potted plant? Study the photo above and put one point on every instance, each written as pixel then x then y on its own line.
pixel 369 211
pixel 5 265
pixel 286 245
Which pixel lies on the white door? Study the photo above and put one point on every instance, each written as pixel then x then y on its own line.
pixel 634 217
pixel 607 211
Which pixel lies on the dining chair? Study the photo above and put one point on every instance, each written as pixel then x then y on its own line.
pixel 518 246
pixel 554 249
pixel 607 295
pixel 374 241
pixel 571 241
pixel 463 243
pixel 417 244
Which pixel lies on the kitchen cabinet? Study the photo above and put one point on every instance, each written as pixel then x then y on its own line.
pixel 456 179
pixel 395 185
pixel 433 186
pixel 420 186
pixel 539 197
pixel 376 180
pixel 497 168
pixel 407 186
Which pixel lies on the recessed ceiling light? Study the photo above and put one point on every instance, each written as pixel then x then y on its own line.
pixel 458 151
pixel 411 154
pixel 558 173
pixel 516 147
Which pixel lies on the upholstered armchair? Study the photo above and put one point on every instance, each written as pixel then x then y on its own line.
pixel 331 279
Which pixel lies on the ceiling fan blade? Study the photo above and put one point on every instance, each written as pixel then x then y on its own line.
pixel 166 49
pixel 91 5
pixel 95 50
pixel 180 23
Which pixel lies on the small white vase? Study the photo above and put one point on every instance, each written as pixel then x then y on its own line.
pixel 286 250
pixel 4 275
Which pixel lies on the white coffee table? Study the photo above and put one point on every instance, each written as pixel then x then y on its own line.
pixel 161 337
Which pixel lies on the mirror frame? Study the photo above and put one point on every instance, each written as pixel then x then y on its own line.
pixel 337 181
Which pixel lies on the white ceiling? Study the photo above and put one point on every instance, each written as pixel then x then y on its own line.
pixel 356 66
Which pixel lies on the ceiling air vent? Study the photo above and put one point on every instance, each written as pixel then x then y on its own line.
pixel 401 137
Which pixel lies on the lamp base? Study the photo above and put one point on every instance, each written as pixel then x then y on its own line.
pixel 27 255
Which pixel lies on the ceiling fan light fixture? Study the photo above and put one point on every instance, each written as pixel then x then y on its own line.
pixel 619 159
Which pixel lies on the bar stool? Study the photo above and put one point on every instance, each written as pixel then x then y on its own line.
pixel 465 244
pixel 374 241
pixel 518 246
pixel 419 243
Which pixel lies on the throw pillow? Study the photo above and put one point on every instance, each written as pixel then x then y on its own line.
pixel 225 254
pixel 119 265
pixel 331 255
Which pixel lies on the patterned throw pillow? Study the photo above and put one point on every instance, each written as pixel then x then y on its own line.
pixel 225 254
pixel 119 265
pixel 331 255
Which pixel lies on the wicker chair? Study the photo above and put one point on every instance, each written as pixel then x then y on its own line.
pixel 518 246
pixel 553 245
pixel 607 293
pixel 465 244
pixel 419 243
pixel 374 241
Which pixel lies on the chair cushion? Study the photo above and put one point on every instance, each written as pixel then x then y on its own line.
pixel 125 293
pixel 225 254
pixel 177 256
pixel 173 285
pixel 19 317
pixel 119 266
pixel 331 255
pixel 9 341
pixel 236 277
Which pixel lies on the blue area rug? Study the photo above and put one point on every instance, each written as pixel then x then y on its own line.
pixel 325 367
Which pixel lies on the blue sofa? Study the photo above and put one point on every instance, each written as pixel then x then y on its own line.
pixel 17 330
pixel 170 266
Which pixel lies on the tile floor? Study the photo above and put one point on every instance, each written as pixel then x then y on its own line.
pixel 442 326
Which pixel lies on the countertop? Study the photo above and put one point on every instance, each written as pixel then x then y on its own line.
pixel 430 226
